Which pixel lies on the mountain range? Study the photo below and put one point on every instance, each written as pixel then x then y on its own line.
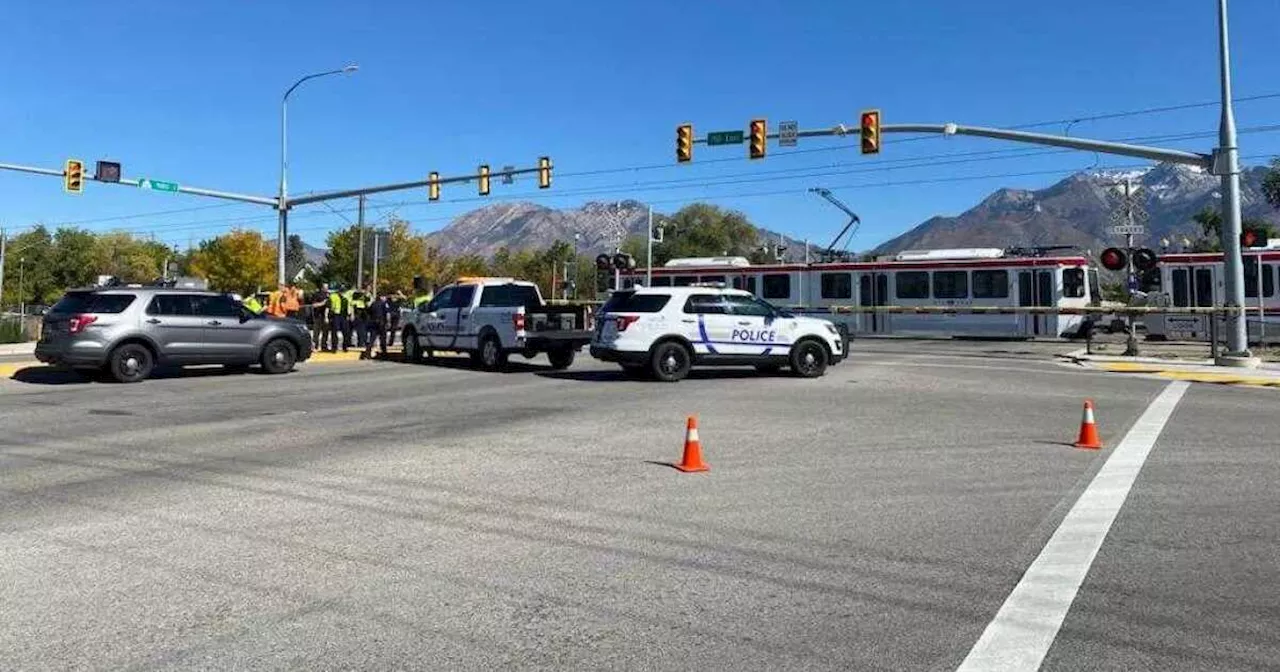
pixel 1076 211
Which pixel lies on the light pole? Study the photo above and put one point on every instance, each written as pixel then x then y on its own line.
pixel 282 204
pixel 648 280
pixel 22 299
pixel 1227 164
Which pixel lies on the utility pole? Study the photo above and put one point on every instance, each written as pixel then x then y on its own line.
pixel 360 241
pixel 3 237
pixel 375 260
pixel 1226 162
pixel 1131 281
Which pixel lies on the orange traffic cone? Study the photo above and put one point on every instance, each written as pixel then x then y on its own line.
pixel 692 449
pixel 1088 429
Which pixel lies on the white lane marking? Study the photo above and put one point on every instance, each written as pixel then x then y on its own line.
pixel 1026 625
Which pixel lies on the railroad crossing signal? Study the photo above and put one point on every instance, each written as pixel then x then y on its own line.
pixel 484 180
pixel 1114 259
pixel 684 143
pixel 1250 238
pixel 1144 259
pixel 433 186
pixel 73 176
pixel 759 135
pixel 870 123
pixel 544 172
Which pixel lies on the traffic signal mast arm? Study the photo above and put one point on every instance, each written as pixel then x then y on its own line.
pixel 182 189
pixel 400 186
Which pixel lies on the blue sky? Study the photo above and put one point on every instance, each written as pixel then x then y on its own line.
pixel 190 92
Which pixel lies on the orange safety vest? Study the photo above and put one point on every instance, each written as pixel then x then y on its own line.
pixel 274 304
pixel 290 301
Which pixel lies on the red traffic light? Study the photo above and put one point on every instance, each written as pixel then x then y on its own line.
pixel 1114 259
pixel 1144 259
pixel 1250 238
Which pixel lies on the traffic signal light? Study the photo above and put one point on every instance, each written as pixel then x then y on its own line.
pixel 684 143
pixel 870 124
pixel 759 138
pixel 433 186
pixel 73 176
pixel 1250 238
pixel 623 261
pixel 1144 259
pixel 484 180
pixel 544 172
pixel 603 262
pixel 1114 259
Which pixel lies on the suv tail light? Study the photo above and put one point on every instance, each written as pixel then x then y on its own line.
pixel 77 323
pixel 517 321
pixel 625 321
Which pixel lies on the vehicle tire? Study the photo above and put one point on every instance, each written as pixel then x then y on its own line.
pixel 560 358
pixel 491 356
pixel 412 349
pixel 670 362
pixel 278 356
pixel 768 369
pixel 809 359
pixel 130 363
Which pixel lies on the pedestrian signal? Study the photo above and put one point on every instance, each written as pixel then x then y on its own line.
pixel 759 139
pixel 870 124
pixel 73 176
pixel 684 143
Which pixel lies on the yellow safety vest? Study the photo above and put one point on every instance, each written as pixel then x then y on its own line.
pixel 419 300
pixel 252 304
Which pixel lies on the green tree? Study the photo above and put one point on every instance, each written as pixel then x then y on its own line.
pixel 29 274
pixel 1271 184
pixel 699 230
pixel 339 265
pixel 1210 222
pixel 295 256
pixel 75 260
pixel 240 261
pixel 129 258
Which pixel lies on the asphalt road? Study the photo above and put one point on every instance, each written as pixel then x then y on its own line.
pixel 376 515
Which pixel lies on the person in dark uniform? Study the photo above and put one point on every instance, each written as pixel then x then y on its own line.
pixel 320 324
pixel 376 324
pixel 397 301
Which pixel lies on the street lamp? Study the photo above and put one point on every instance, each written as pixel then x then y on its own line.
pixel 283 203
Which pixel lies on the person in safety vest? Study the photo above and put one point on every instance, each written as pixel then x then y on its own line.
pixel 252 303
pixel 339 317
pixel 291 301
pixel 360 316
pixel 275 302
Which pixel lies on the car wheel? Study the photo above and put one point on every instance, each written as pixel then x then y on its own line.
pixel 131 363
pixel 670 362
pixel 278 357
pixel 809 359
pixel 492 358
pixel 412 351
pixel 768 369
pixel 560 358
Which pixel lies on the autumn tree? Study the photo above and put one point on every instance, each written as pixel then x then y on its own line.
pixel 240 261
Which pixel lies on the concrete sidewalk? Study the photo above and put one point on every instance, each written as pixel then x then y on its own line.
pixel 1198 371
pixel 17 348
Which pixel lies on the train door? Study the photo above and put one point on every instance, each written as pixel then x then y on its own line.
pixel 873 290
pixel 1035 290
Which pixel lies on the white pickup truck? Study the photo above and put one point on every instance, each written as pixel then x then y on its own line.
pixel 493 318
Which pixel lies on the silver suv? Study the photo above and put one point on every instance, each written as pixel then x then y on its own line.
pixel 127 331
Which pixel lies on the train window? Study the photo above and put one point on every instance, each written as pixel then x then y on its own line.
pixel 991 284
pixel 1181 299
pixel 1251 279
pixel 912 284
pixel 837 286
pixel 661 281
pixel 1073 283
pixel 777 285
pixel 683 280
pixel 1204 288
pixel 950 284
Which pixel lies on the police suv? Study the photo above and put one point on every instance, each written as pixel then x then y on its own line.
pixel 664 331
